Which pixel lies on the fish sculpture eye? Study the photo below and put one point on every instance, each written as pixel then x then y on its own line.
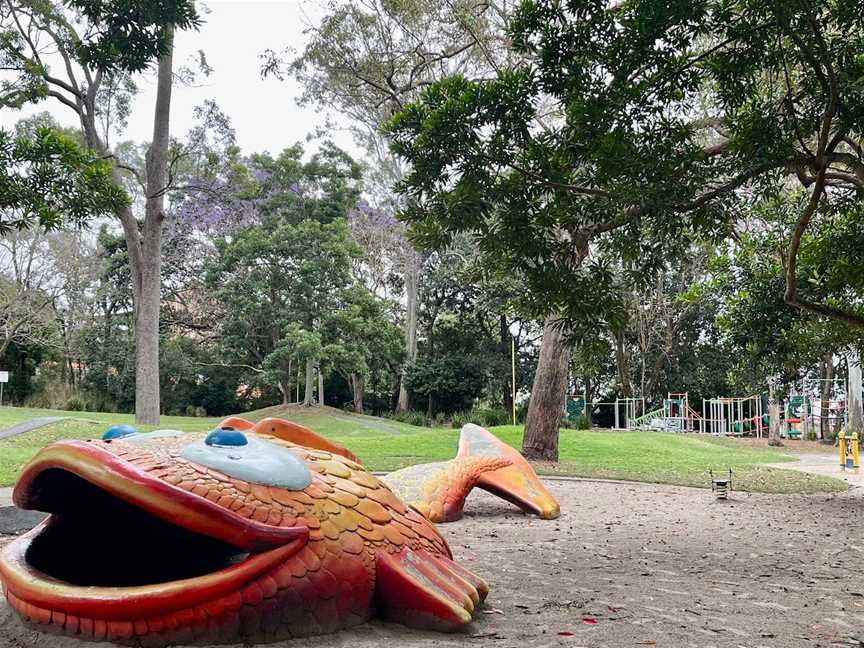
pixel 226 437
pixel 118 432
pixel 249 458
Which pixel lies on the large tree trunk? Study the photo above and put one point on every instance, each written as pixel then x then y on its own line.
pixel 309 389
pixel 825 395
pixel 547 396
pixel 411 279
pixel 149 261
pixel 358 384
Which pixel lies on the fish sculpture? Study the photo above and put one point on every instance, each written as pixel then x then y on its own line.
pixel 439 490
pixel 240 535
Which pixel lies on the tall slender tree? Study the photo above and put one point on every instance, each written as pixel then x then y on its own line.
pixel 95 61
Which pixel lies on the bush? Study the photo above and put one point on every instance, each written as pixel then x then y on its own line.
pixel 413 418
pixel 459 419
pixel 190 410
pixel 200 412
pixel 493 416
pixel 580 422
pixel 76 404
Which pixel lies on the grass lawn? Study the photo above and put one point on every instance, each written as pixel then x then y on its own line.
pixel 386 445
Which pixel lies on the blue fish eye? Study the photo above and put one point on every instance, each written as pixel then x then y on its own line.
pixel 252 459
pixel 118 432
pixel 226 437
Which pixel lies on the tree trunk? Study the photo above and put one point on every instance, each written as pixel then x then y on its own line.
pixel 547 396
pixel 825 395
pixel 149 262
pixel 506 340
pixel 285 389
pixel 411 279
pixel 853 399
pixel 308 395
pixel 622 363
pixel 773 416
pixel 320 386
pixel 358 384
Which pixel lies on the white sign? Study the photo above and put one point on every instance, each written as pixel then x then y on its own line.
pixel 4 376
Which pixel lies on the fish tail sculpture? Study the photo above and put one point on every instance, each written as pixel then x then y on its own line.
pixel 234 536
pixel 439 490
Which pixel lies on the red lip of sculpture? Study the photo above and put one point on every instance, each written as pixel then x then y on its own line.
pixel 25 585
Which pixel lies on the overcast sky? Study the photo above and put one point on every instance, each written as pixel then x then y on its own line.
pixel 264 112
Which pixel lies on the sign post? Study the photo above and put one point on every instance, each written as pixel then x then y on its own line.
pixel 4 378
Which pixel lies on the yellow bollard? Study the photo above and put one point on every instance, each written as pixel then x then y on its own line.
pixel 849 450
pixel 841 445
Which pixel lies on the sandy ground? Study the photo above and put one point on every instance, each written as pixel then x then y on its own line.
pixel 640 565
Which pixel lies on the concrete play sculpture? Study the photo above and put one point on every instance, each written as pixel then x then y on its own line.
pixel 234 536
pixel 438 490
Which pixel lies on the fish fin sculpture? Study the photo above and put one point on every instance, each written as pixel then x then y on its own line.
pixel 517 482
pixel 289 431
pixel 422 590
pixel 438 490
pixel 231 537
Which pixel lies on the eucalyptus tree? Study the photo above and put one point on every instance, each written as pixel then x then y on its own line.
pixel 366 59
pixel 82 56
pixel 669 119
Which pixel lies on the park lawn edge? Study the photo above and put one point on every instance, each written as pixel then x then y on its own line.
pixel 381 452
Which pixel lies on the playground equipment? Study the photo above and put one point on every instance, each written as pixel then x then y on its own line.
pixel 675 415
pixel 734 416
pixel 266 516
pixel 804 411
pixel 627 412
pixel 721 485
pixel 848 450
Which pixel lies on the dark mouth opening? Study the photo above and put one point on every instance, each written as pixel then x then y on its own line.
pixel 94 538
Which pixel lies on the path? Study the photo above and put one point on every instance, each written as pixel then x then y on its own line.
pixel 828 465
pixel 32 424
pixel 635 565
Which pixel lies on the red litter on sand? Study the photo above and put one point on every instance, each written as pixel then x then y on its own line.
pixel 565 633
pixel 589 621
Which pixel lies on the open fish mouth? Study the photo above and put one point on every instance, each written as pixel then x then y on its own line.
pixel 123 546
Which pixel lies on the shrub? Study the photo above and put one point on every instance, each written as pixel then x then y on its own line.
pixel 459 419
pixel 580 422
pixel 415 418
pixel 200 412
pixel 493 416
pixel 76 404
pixel 190 410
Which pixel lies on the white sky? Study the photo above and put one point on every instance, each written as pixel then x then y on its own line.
pixel 264 112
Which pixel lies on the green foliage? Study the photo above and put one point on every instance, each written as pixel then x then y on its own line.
pixel 412 417
pixel 130 34
pixel 620 132
pixel 76 404
pixel 47 179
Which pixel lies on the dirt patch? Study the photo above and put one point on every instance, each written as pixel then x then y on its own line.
pixel 640 565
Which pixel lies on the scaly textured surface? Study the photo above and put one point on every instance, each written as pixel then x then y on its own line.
pixel 355 524
pixel 438 490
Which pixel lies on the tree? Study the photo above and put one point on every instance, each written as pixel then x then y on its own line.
pixel 47 179
pixel 118 38
pixel 660 120
pixel 360 340
pixel 368 58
